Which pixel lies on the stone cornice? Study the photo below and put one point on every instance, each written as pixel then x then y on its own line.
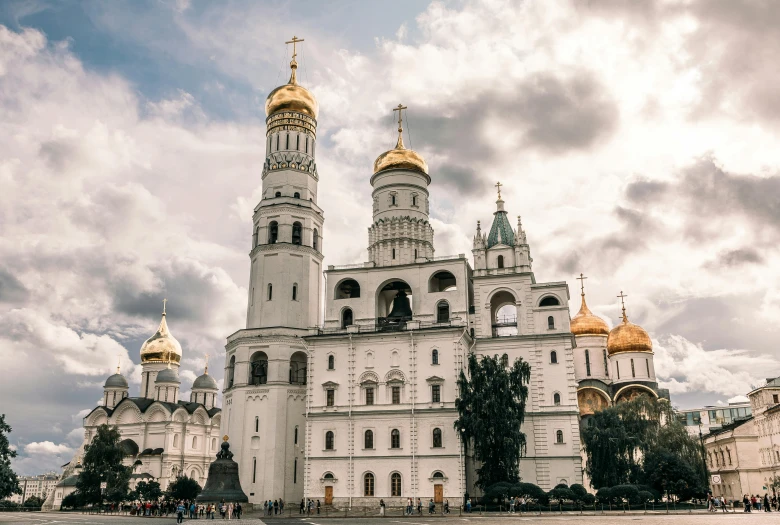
pixel 287 247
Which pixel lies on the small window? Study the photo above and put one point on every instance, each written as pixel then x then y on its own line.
pixel 315 239
pixel 436 393
pixel 633 372
pixel 368 485
pixel 393 253
pixel 392 200
pixel 395 438
pixel 277 144
pixel 617 367
pixel 270 291
pixel 330 397
pixel 395 485
pixel 307 145
pixel 287 141
pixel 500 261
pixel 505 361
pixel 647 365
pixel 554 357
pixel 278 194
pixel 254 470
pixel 176 441
pixel 273 231
pixel 435 357
pixel 415 253
pixel 587 363
pixel 297 195
pixel 297 233
pixel 295 470
pixel 396 395
pixel 437 438
pixel 438 475
pixel 295 292
pixel 368 439
pixel 346 318
pixel 295 439
pixel 297 142
pixel 550 301
pixel 556 399
pixel 257 424
pixel 606 365
pixel 550 322
pixel 328 440
pixel 443 312
pixel 559 436
pixel 331 362
pixel 194 441
pixel 369 396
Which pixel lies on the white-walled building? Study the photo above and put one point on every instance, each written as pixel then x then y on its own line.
pixel 39 486
pixel 360 405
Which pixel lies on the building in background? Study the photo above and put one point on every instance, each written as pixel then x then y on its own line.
pixel 40 486
pixel 711 418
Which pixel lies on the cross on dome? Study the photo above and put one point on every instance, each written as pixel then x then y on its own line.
pixel 582 278
pixel 623 303
pixel 400 143
pixel 293 62
pixel 498 186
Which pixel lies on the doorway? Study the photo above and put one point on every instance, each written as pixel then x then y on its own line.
pixel 328 495
pixel 438 493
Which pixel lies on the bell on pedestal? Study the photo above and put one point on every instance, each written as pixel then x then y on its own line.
pixel 223 483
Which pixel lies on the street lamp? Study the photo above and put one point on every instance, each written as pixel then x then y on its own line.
pixel 703 459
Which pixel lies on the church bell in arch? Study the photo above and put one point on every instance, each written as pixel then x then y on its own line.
pixel 401 307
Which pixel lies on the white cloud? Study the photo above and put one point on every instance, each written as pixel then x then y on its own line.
pixel 47 447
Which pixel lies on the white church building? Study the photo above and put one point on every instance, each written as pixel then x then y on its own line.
pixel 360 405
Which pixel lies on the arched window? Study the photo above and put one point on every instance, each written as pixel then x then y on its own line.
pixel 392 200
pixel 554 357
pixel 258 370
pixel 434 357
pixel 550 301
pixel 348 289
pixel 633 372
pixel 256 237
pixel 368 485
pixel 505 361
pixel 414 200
pixel 587 362
pixel 443 312
pixel 297 195
pixel 297 233
pixel 257 424
pixel 176 441
pixel 331 362
pixel 315 239
pixel 213 443
pixel 395 484
pixel 273 231
pixel 295 439
pixel 442 282
pixel 556 399
pixel 270 291
pixel 500 261
pixel 298 368
pixel 194 441
pixel 559 436
pixel 606 366
pixel 230 370
pixel 438 475
pixel 437 438
pixel 368 439
pixel 395 438
pixel 415 253
pixel 346 318
pixel 295 292
pixel 278 193
pixel 550 322
pixel 328 440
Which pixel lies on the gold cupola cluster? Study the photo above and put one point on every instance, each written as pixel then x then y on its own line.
pixel 628 337
pixel 162 347
pixel 291 96
pixel 400 158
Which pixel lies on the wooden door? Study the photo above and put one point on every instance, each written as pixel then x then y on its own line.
pixel 328 495
pixel 438 493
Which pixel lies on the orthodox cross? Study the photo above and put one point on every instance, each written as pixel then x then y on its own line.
pixel 399 109
pixel 164 301
pixel 498 185
pixel 294 41
pixel 118 362
pixel 623 303
pixel 207 363
pixel 582 283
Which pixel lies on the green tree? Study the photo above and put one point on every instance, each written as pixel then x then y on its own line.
pixel 9 482
pixel 491 409
pixel 33 501
pixel 74 500
pixel 183 488
pixel 102 463
pixel 148 490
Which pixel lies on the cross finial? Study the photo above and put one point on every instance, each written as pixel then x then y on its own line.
pixel 400 143
pixel 207 364
pixel 498 186
pixel 623 303
pixel 118 362
pixel 582 283
pixel 164 301
pixel 293 62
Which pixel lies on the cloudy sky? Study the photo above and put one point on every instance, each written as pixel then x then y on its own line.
pixel 638 140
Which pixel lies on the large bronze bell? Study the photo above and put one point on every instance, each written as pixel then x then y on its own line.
pixel 401 307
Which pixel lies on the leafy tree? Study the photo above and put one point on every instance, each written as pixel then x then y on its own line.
pixel 560 494
pixel 183 488
pixel 9 482
pixel 148 491
pixel 529 491
pixel 645 496
pixel 74 500
pixel 671 473
pixel 491 409
pixel 102 463
pixel 33 501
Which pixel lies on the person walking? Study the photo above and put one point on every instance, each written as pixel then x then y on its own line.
pixel 746 503
pixel 303 506
pixel 446 506
pixel 419 506
pixel 381 507
pixel 180 512
pixel 409 506
pixel 318 506
pixel 767 508
pixel 238 510
pixel 431 507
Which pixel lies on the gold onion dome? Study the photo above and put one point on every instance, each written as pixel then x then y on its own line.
pixel 628 337
pixel 400 158
pixel 162 347
pixel 291 96
pixel 585 323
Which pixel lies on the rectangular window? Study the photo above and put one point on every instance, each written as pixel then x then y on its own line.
pixel 295 471
pixel 396 395
pixel 369 396
pixel 647 365
pixel 330 397
pixel 393 253
pixel 254 469
pixel 774 398
pixel 436 393
pixel 617 367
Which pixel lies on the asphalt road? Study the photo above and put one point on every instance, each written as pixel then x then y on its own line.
pixel 759 518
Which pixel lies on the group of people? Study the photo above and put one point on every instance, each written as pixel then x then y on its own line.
pixel 410 507
pixel 756 502
pixel 273 507
pixel 517 504
pixel 227 511
pixel 308 505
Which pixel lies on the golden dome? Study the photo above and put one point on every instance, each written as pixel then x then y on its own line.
pixel 628 337
pixel 399 157
pixel 162 347
pixel 585 323
pixel 291 97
